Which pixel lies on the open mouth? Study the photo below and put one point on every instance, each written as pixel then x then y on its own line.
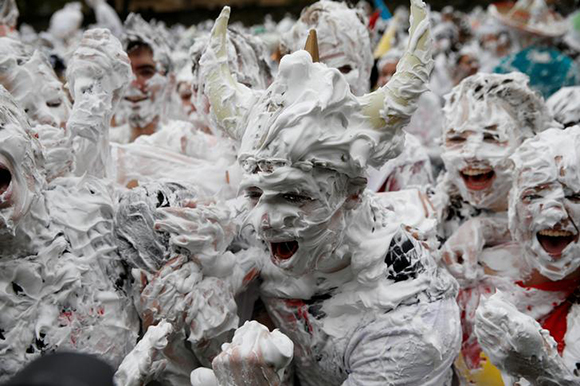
pixel 5 179
pixel 5 183
pixel 555 241
pixel 477 178
pixel 136 99
pixel 284 250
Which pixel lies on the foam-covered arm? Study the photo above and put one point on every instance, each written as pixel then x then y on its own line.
pixel 518 345
pixel 97 75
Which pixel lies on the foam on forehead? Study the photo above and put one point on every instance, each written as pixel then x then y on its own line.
pixel 8 12
pixel 473 95
pixel 12 118
pixel 138 30
pixel 308 117
pixel 565 105
pixel 336 26
pixel 551 155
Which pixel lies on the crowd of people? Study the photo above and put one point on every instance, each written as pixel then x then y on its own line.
pixel 352 197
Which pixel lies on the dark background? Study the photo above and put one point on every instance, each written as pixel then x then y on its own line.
pixel 37 12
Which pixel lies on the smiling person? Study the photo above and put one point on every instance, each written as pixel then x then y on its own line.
pixel 530 329
pixel 486 118
pixel 142 110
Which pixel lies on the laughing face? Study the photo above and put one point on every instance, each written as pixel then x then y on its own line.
pixel 476 147
pixel 545 202
pixel 19 178
pixel 300 216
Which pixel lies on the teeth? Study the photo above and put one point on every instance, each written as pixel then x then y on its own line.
pixel 475 171
pixel 555 233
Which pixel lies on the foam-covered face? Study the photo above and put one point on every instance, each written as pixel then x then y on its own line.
pixel 51 105
pixel 35 86
pixel 335 57
pixel 300 215
pixel 545 204
pixel 17 180
pixel 145 98
pixel 343 41
pixel 477 143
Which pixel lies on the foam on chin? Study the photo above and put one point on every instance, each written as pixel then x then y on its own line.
pixel 547 162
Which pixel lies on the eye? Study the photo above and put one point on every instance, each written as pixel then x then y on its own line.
pixel 54 103
pixel 345 69
pixel 254 193
pixel 491 138
pixel 146 73
pixel 295 198
pixel 455 139
pixel 574 197
pixel 529 197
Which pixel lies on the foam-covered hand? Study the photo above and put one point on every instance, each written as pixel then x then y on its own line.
pixel 255 357
pixel 169 293
pixel 145 361
pixel 461 253
pixel 204 231
pixel 180 294
pixel 517 344
pixel 98 64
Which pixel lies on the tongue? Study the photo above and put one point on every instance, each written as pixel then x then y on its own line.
pixel 285 250
pixel 478 182
pixel 554 245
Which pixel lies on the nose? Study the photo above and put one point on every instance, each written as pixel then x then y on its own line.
pixel 45 118
pixel 265 221
pixel 471 147
pixel 555 212
pixel 139 82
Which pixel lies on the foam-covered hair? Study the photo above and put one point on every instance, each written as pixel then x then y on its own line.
pixel 308 117
pixel 512 90
pixel 565 105
pixel 338 26
pixel 138 30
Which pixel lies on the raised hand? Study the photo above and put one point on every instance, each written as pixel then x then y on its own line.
pixel 255 357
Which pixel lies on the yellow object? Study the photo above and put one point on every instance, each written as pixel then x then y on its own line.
pixel 487 375
pixel 387 40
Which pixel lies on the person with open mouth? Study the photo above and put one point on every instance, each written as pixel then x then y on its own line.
pixel 487 117
pixel 534 319
pixel 355 289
